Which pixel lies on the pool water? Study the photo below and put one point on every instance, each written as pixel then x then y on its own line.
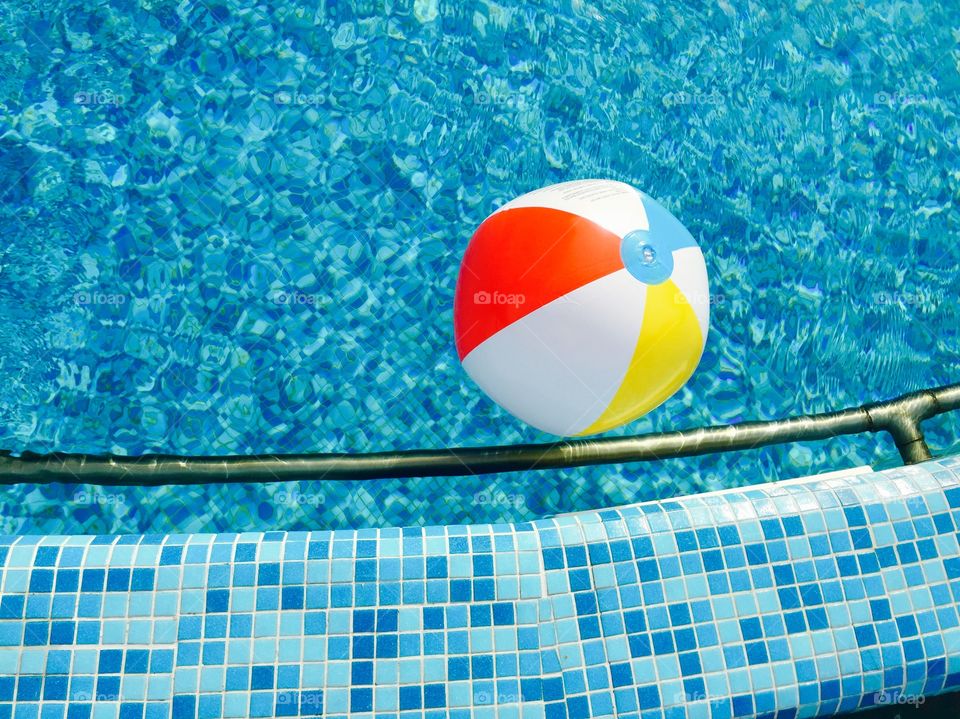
pixel 233 229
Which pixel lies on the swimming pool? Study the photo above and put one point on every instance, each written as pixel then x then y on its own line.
pixel 236 230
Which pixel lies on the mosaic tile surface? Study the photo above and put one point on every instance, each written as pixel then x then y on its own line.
pixel 801 599
pixel 236 227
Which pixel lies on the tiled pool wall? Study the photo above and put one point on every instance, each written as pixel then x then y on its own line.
pixel 235 227
pixel 790 599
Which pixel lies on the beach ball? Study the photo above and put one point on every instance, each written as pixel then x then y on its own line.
pixel 581 306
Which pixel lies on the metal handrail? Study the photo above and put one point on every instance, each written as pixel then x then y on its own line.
pixel 900 418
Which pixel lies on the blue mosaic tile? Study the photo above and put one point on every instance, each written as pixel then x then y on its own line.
pixel 801 598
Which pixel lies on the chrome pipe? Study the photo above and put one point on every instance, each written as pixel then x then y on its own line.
pixel 900 418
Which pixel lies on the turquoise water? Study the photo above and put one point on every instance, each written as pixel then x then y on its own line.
pixel 233 229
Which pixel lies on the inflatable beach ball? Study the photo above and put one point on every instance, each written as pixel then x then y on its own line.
pixel 581 306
